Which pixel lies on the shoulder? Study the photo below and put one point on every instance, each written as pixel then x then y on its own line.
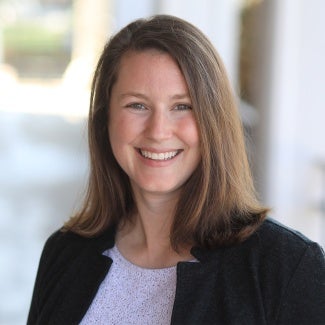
pixel 68 262
pixel 293 266
pixel 63 249
pixel 271 228
pixel 281 242
pixel 68 240
pixel 290 267
pixel 61 241
pixel 280 267
pixel 64 246
pixel 273 251
pixel 290 254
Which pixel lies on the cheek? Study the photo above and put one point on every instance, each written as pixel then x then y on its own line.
pixel 122 131
pixel 117 139
pixel 189 132
pixel 115 134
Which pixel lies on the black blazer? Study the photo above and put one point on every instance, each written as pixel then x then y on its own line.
pixel 274 277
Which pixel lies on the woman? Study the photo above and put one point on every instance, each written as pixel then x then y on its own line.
pixel 171 230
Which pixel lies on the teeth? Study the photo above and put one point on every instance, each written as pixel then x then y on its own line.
pixel 158 156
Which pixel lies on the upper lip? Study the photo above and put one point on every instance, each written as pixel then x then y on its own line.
pixel 159 154
pixel 155 150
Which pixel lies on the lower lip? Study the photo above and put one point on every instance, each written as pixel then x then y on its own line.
pixel 157 163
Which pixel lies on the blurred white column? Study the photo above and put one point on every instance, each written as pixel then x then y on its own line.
pixel 219 20
pixel 129 10
pixel 292 106
pixel 1 44
pixel 280 101
pixel 92 25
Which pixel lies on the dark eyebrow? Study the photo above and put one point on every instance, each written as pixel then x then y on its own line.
pixel 140 95
pixel 181 96
pixel 133 94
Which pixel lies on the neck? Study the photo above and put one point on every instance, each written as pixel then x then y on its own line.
pixel 146 240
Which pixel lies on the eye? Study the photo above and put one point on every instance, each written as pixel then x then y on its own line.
pixel 136 106
pixel 183 107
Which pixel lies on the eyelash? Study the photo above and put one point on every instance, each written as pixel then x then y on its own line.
pixel 183 107
pixel 179 107
pixel 136 106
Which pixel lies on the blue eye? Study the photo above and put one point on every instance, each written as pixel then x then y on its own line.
pixel 183 107
pixel 136 106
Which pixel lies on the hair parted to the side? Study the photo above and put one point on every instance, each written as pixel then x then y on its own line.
pixel 218 204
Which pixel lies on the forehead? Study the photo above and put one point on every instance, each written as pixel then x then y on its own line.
pixel 146 59
pixel 149 68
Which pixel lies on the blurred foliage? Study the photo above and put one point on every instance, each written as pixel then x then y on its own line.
pixel 33 38
pixel 251 40
pixel 37 50
pixel 36 36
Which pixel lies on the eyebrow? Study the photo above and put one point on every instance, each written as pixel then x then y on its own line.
pixel 143 96
pixel 132 94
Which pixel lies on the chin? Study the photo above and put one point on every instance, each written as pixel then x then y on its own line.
pixel 160 190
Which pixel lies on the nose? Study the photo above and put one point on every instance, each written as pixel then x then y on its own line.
pixel 159 126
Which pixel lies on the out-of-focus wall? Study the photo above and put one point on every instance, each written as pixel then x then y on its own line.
pixel 43 142
pixel 291 151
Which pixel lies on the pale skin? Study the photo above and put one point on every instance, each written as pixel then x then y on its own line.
pixel 155 140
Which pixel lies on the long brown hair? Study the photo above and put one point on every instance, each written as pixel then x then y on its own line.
pixel 218 204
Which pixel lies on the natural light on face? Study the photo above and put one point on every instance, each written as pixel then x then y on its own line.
pixel 152 127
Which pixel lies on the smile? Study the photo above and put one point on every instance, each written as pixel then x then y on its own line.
pixel 159 155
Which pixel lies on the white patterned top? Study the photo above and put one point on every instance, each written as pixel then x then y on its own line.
pixel 130 294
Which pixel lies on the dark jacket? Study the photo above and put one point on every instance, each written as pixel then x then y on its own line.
pixel 274 277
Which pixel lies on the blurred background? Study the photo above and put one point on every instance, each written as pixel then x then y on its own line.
pixel 274 51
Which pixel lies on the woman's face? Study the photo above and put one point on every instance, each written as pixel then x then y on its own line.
pixel 152 129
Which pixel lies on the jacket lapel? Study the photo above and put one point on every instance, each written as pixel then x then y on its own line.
pixel 76 286
pixel 220 289
pixel 81 289
pixel 195 291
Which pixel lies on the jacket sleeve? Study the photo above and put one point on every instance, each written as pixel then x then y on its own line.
pixel 44 264
pixel 304 301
